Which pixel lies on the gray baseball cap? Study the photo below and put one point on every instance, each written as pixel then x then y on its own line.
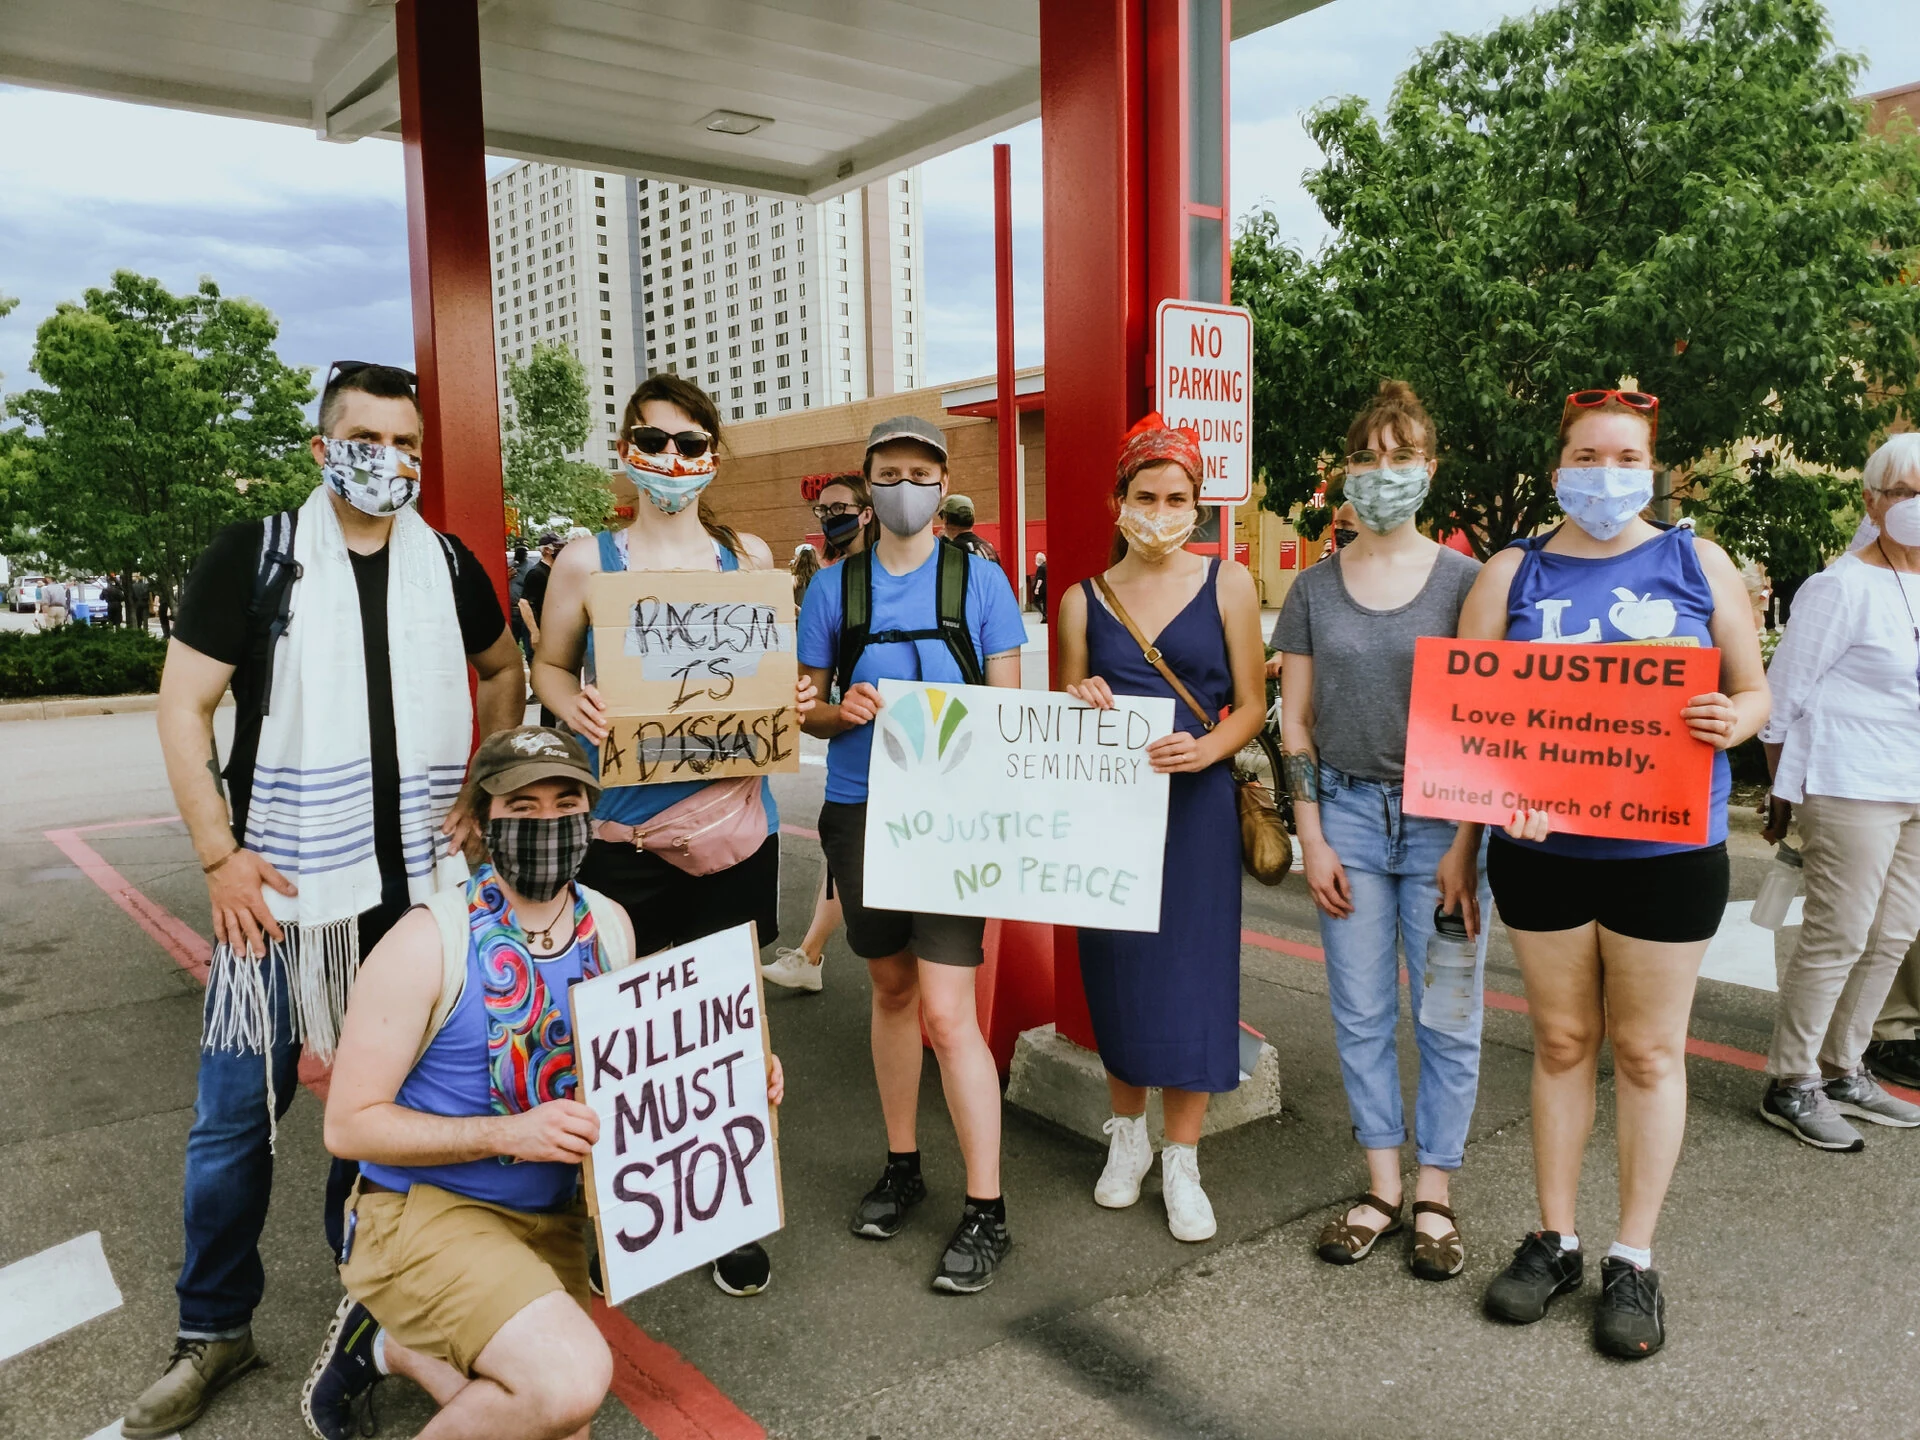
pixel 908 427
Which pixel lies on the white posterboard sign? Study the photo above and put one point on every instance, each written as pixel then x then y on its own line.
pixel 1203 378
pixel 672 1053
pixel 1016 804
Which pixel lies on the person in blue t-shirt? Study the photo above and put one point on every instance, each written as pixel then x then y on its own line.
pixel 922 965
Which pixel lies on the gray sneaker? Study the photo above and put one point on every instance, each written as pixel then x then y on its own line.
pixel 198 1370
pixel 1860 1095
pixel 1802 1109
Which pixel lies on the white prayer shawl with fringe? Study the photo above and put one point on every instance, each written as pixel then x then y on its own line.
pixel 311 812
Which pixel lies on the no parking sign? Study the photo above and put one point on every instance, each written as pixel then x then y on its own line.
pixel 1203 378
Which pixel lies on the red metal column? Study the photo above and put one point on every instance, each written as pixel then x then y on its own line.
pixel 1093 147
pixel 1007 414
pixel 452 271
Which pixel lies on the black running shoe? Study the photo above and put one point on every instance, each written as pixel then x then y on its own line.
pixel 1630 1321
pixel 1540 1271
pixel 343 1374
pixel 883 1209
pixel 974 1253
pixel 1896 1062
pixel 746 1271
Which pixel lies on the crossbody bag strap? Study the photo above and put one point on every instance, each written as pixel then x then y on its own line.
pixel 1151 652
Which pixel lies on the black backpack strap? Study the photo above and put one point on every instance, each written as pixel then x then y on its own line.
pixel 951 596
pixel 856 615
pixel 272 598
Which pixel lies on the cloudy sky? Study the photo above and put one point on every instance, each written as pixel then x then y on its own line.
pixel 316 232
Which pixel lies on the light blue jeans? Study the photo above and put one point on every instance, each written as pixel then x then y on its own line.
pixel 1390 858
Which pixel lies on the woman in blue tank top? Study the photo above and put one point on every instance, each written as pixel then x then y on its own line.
pixel 669 436
pixel 1610 933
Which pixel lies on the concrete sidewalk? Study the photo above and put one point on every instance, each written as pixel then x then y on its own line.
pixel 1792 1292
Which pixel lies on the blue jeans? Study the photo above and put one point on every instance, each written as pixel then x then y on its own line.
pixel 1390 858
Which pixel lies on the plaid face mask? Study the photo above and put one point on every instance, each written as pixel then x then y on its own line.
pixel 538 857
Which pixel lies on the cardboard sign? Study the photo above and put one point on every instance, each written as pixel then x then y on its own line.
pixel 1589 733
pixel 697 669
pixel 1203 377
pixel 672 1054
pixel 1018 804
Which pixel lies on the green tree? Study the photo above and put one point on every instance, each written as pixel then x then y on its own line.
pixel 1784 517
pixel 1683 194
pixel 164 417
pixel 551 417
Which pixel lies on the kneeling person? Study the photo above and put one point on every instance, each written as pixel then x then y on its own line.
pixel 466 1250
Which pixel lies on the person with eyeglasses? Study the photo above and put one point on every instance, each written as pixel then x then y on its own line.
pixel 346 629
pixel 1380 876
pixel 1610 933
pixel 670 436
pixel 1843 746
pixel 903 588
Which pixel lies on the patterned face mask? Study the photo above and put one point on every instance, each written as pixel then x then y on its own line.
pixel 1157 533
pixel 538 857
pixel 1385 499
pixel 374 479
pixel 1603 499
pixel 671 481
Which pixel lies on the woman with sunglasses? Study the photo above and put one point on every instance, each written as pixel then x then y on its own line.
pixel 843 509
pixel 1844 745
pixel 1610 933
pixel 669 434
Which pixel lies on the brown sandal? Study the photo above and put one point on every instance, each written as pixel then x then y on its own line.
pixel 1342 1243
pixel 1436 1257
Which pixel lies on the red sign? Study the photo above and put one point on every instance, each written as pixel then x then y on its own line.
pixel 1589 733
pixel 1289 554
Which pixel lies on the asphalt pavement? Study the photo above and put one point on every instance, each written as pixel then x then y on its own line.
pixel 1792 1283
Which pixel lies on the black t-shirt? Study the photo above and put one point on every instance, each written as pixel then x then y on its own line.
pixel 974 545
pixel 213 619
pixel 533 589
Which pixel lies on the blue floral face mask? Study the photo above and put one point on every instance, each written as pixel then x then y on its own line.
pixel 1603 499
pixel 671 481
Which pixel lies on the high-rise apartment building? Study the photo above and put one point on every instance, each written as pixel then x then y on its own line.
pixel 768 304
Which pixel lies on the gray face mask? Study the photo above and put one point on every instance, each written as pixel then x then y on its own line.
pixel 1385 499
pixel 906 508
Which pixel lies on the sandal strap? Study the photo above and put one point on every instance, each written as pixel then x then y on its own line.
pixel 1392 1212
pixel 1432 1207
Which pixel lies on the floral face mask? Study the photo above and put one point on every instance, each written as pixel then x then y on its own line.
pixel 373 479
pixel 671 481
pixel 1157 533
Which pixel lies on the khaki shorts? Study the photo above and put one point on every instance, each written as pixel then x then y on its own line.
pixel 443 1273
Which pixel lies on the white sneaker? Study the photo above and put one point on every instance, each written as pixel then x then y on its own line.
pixel 1129 1158
pixel 793 969
pixel 1189 1212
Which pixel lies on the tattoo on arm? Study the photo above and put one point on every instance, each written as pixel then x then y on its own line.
pixel 1303 776
pixel 213 768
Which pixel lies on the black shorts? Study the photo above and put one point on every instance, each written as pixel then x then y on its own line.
pixel 669 907
pixel 1673 899
pixel 877 934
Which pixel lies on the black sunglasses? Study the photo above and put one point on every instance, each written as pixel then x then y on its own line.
pixel 342 370
pixel 652 440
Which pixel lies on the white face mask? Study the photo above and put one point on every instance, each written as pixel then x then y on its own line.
pixel 1603 499
pixel 1901 523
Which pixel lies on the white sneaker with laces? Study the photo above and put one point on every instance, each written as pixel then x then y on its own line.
pixel 793 969
pixel 1129 1158
pixel 1189 1212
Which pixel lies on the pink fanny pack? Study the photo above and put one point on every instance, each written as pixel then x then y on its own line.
pixel 713 830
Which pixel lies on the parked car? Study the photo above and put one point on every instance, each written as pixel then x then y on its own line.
pixel 25 596
pixel 84 604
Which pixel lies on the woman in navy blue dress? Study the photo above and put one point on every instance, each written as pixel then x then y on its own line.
pixel 1166 1006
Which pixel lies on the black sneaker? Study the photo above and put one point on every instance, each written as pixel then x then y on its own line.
pixel 883 1209
pixel 1630 1321
pixel 1897 1062
pixel 343 1374
pixel 974 1253
pixel 746 1271
pixel 1540 1270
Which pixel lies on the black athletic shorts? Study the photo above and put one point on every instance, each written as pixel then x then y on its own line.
pixel 1673 899
pixel 876 934
pixel 669 907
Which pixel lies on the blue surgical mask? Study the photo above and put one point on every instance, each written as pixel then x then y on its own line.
pixel 1603 499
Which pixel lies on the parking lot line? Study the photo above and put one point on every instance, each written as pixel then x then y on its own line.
pixel 50 1293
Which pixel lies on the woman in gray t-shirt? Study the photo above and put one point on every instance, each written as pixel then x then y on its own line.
pixel 1378 875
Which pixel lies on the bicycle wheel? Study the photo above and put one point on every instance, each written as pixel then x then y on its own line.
pixel 1259 760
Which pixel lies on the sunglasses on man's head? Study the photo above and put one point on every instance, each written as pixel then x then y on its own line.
pixel 342 370
pixel 652 440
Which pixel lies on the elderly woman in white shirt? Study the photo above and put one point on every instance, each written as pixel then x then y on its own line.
pixel 1844 746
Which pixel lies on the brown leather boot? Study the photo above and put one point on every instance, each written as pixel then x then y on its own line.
pixel 198 1371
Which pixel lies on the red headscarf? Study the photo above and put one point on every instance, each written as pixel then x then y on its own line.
pixel 1153 442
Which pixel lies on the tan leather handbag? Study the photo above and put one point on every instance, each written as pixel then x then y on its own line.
pixel 1265 847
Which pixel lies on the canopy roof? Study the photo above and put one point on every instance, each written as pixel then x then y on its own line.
pixel 843 91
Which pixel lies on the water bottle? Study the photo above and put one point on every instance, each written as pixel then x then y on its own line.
pixel 1450 1002
pixel 1778 889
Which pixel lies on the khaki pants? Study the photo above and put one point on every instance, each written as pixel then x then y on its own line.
pixel 1900 1016
pixel 1862 912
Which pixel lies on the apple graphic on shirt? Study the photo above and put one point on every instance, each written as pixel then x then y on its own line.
pixel 1641 617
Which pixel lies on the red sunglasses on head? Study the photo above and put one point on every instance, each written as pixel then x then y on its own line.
pixel 1632 399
